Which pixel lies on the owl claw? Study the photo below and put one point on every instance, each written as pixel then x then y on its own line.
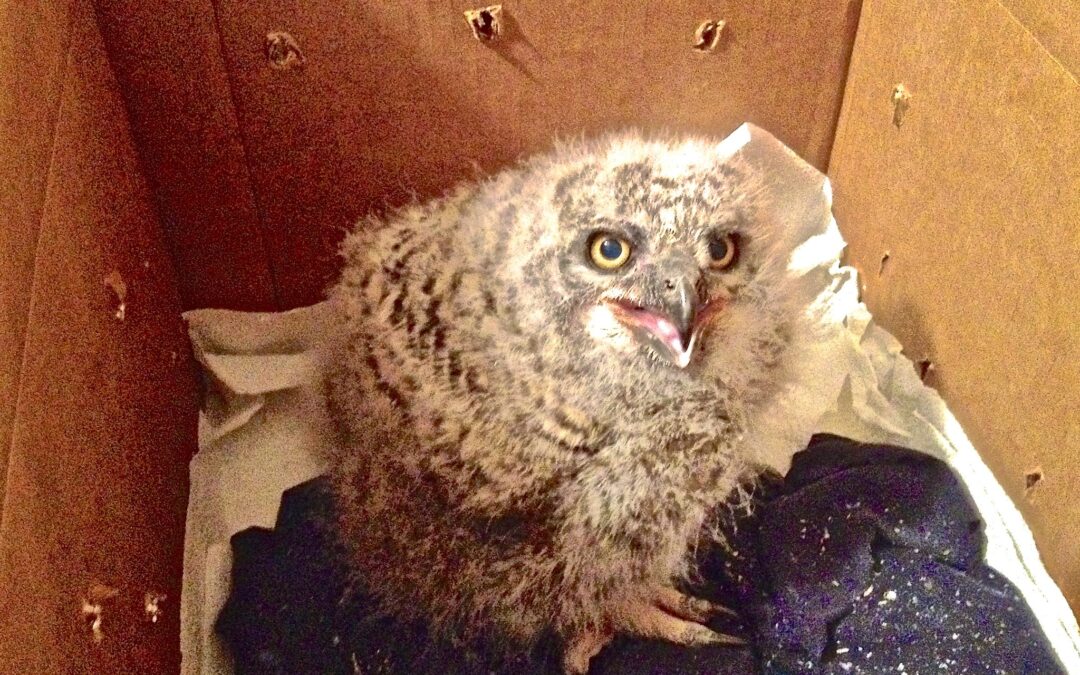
pixel 672 616
pixel 696 634
pixel 656 621
pixel 690 608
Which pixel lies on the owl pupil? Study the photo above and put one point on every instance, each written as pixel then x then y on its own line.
pixel 718 249
pixel 611 249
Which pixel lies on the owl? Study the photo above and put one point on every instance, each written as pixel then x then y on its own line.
pixel 544 387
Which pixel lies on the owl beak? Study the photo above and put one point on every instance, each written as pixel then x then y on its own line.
pixel 681 309
pixel 668 327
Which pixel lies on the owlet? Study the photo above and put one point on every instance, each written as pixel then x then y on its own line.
pixel 545 386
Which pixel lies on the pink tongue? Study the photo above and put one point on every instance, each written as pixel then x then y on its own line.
pixel 663 329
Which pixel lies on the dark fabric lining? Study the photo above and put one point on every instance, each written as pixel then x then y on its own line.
pixel 864 559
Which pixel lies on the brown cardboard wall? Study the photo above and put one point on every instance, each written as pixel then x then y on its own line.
pixel 975 199
pixel 398 98
pixel 30 77
pixel 253 172
pixel 99 412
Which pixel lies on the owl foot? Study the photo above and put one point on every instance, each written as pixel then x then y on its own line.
pixel 674 617
pixel 688 607
pixel 581 649
pixel 671 616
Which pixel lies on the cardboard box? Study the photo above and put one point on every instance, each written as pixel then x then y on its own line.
pixel 167 156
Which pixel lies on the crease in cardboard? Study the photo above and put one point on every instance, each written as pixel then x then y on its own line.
pixel 1051 52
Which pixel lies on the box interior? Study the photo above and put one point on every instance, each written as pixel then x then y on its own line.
pixel 162 159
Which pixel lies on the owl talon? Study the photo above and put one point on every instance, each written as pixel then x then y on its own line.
pixel 655 621
pixel 690 608
pixel 694 634
pixel 666 620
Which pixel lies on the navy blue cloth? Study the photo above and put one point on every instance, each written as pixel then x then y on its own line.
pixel 863 559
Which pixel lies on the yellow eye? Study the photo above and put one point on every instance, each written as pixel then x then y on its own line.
pixel 608 252
pixel 722 252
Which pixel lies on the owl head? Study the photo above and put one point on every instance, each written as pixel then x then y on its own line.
pixel 656 254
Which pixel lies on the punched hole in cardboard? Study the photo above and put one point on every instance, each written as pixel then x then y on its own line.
pixel 283 51
pixel 707 35
pixel 926 368
pixel 486 22
pixel 901 101
pixel 94 604
pixel 1032 479
pixel 152 601
pixel 115 282
pixel 884 263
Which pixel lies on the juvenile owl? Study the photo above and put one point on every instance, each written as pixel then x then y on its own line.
pixel 544 388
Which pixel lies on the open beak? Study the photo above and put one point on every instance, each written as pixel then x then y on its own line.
pixel 669 326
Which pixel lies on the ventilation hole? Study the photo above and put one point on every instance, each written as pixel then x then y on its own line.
pixel 115 282
pixel 1032 480
pixel 884 263
pixel 93 609
pixel 707 36
pixel 283 51
pixel 926 367
pixel 152 601
pixel 485 22
pixel 92 616
pixel 901 100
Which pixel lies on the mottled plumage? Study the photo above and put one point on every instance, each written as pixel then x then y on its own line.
pixel 518 454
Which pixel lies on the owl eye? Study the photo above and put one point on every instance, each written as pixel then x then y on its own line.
pixel 722 252
pixel 607 251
